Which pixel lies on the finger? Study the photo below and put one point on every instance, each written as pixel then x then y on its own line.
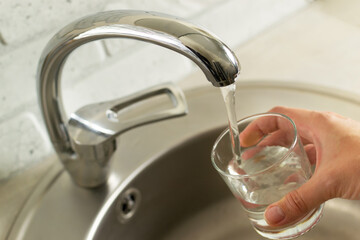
pixel 311 125
pixel 261 127
pixel 281 137
pixel 250 153
pixel 296 204
pixel 311 153
pixel 308 123
pixel 277 138
pixel 306 141
pixel 250 136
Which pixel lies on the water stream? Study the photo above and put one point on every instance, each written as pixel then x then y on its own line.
pixel 228 93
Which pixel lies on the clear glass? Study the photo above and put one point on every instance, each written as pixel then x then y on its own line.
pixel 270 168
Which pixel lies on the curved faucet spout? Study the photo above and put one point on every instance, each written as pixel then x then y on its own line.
pixel 214 58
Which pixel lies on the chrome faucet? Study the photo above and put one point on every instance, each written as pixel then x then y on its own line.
pixel 86 143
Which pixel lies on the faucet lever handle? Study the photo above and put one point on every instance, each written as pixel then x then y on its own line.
pixel 114 117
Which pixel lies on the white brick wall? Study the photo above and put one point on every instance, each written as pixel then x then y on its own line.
pixel 22 21
pixel 25 28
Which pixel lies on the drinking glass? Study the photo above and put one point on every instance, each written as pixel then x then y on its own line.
pixel 273 163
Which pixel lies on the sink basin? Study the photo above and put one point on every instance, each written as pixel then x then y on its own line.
pixel 163 185
pixel 182 197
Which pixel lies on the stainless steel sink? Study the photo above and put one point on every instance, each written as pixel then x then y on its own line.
pixel 182 197
pixel 164 187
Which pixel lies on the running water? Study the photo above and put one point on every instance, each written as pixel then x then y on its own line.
pixel 228 93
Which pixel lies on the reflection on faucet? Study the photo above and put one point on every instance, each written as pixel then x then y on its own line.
pixel 84 150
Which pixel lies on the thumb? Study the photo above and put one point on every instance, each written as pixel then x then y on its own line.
pixel 297 203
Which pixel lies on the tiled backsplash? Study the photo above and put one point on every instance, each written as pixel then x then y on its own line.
pixel 25 28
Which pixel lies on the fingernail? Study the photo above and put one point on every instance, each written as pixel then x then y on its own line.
pixel 251 139
pixel 274 215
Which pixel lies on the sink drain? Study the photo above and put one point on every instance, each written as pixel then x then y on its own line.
pixel 127 204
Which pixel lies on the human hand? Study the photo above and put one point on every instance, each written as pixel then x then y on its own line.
pixel 333 143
